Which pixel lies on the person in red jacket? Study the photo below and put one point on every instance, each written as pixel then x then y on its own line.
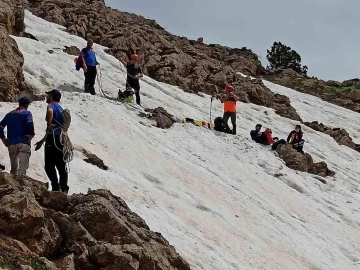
pixel 229 100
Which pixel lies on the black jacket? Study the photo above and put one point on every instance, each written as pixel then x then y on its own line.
pixel 258 137
pixel 295 136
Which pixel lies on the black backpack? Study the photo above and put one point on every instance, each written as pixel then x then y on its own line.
pixel 219 124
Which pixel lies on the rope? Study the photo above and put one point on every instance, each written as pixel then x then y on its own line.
pixel 66 145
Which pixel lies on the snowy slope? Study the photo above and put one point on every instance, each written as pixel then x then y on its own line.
pixel 221 200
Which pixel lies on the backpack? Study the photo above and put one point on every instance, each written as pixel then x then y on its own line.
pixel 126 96
pixel 219 124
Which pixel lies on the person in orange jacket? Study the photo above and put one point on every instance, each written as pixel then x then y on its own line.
pixel 229 101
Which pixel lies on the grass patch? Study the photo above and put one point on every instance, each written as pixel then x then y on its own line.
pixel 37 264
pixel 343 90
pixel 8 263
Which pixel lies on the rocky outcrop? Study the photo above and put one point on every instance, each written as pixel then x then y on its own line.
pixel 162 118
pixel 254 91
pixel 354 95
pixel 340 135
pixel 189 64
pixel 92 231
pixel 11 74
pixel 322 89
pixel 12 16
pixel 302 162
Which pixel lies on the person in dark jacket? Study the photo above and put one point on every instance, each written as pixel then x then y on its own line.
pixel 134 72
pixel 20 132
pixel 54 158
pixel 89 63
pixel 258 136
pixel 277 142
pixel 296 139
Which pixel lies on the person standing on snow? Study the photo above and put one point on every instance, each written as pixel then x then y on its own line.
pixel 229 101
pixel 88 61
pixel 134 72
pixel 54 157
pixel 20 132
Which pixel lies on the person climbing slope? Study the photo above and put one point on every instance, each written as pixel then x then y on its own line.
pixel 229 100
pixel 296 139
pixel 87 60
pixel 54 155
pixel 134 72
pixel 20 132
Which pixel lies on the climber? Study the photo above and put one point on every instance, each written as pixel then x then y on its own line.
pixel 229 100
pixel 134 72
pixel 54 157
pixel 295 138
pixel 20 132
pixel 258 136
pixel 87 59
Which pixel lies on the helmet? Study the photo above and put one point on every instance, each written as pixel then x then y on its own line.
pixel 229 88
pixel 134 57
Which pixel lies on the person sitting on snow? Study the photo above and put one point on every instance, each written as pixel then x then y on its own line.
pixel 258 136
pixel 296 139
pixel 277 142
pixel 229 100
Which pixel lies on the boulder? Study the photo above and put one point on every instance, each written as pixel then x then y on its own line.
pixel 354 94
pixel 49 230
pixel 12 16
pixel 162 118
pixel 302 162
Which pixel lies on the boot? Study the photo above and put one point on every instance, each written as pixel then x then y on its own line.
pixel 87 86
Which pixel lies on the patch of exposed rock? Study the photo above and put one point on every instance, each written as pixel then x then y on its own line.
pixel 72 50
pixel 340 135
pixel 289 78
pixel 162 118
pixel 94 160
pixel 11 74
pixel 92 231
pixel 303 162
pixel 190 64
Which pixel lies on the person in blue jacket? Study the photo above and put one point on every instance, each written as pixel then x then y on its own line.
pixel 87 60
pixel 20 132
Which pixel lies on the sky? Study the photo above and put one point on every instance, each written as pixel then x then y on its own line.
pixel 323 32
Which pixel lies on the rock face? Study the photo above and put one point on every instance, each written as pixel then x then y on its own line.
pixel 302 162
pixel 11 75
pixel 189 64
pixel 92 231
pixel 340 135
pixel 316 87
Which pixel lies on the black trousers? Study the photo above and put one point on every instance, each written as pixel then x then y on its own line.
pixel 54 160
pixel 134 84
pixel 298 145
pixel 276 144
pixel 90 77
pixel 226 117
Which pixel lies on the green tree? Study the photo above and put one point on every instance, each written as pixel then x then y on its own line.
pixel 281 55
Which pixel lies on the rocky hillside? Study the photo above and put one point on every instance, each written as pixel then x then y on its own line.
pixel 345 94
pixel 49 230
pixel 11 76
pixel 192 65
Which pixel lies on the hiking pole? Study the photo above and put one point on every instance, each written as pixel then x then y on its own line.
pixel 211 108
